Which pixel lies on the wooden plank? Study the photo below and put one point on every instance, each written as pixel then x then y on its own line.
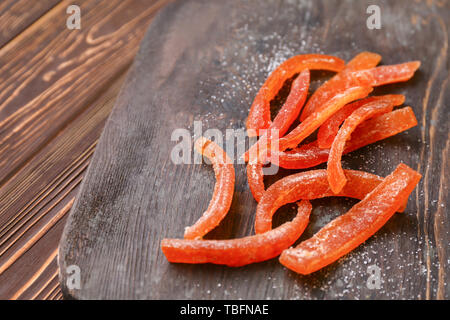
pixel 50 73
pixel 17 15
pixel 205 60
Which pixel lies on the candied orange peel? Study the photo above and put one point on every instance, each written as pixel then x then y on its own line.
pixel 346 118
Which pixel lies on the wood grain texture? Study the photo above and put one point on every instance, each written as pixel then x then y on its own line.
pixel 205 60
pixel 39 186
pixel 17 15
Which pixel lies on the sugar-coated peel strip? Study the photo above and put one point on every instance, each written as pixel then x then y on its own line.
pixel 308 185
pixel 305 156
pixel 348 231
pixel 290 110
pixel 370 131
pixel 317 118
pixel 329 129
pixel 336 176
pixel 223 190
pixel 239 252
pixel 255 178
pixel 364 60
pixel 259 115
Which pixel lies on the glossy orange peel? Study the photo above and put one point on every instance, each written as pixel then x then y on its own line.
pixel 348 231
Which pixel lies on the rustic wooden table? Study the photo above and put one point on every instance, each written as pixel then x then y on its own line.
pixel 57 87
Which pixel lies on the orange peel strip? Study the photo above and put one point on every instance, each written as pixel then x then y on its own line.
pixel 223 190
pixel 329 129
pixel 364 60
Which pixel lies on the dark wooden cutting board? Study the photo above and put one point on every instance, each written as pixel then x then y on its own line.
pixel 205 60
